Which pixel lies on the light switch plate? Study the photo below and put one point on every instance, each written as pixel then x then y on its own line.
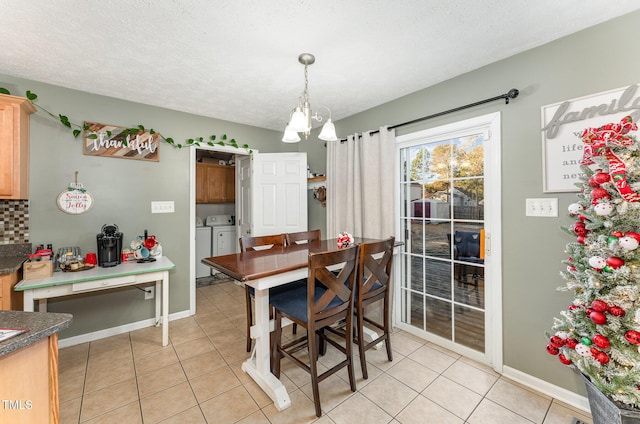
pixel 163 207
pixel 544 208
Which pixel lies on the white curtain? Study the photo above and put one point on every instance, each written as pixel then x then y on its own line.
pixel 360 185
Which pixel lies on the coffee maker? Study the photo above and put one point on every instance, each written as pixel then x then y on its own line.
pixel 109 246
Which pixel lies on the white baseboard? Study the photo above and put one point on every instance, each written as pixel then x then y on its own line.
pixel 113 331
pixel 556 392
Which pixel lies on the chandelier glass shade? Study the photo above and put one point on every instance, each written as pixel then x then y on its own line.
pixel 301 117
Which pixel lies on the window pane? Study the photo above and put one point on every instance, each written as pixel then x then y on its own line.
pixel 469 285
pixel 439 317
pixel 438 278
pixel 417 237
pixel 468 157
pixel 469 325
pixel 437 240
pixel 416 276
pixel 417 311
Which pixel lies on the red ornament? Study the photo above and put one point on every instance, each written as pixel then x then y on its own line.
pixel 580 239
pixel 615 262
pixel 593 183
pixel 601 341
pixel 572 307
pixel 552 349
pixel 571 343
pixel 581 231
pixel 632 337
pixel 598 317
pixel 564 359
pixel 556 341
pixel 599 305
pixel 582 218
pixel 599 193
pixel 588 311
pixel 601 178
pixel 618 234
pixel 602 357
pixel 616 311
pixel 595 352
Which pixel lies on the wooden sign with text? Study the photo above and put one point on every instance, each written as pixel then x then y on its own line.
pixel 121 142
pixel 562 124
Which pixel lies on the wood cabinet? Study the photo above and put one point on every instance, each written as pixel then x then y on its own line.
pixel 29 367
pixel 215 183
pixel 10 299
pixel 14 146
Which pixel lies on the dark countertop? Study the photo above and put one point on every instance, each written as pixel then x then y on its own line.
pixel 40 325
pixel 12 256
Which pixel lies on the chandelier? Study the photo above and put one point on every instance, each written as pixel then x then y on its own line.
pixel 301 116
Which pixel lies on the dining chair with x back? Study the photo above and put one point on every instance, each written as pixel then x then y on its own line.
pixel 326 299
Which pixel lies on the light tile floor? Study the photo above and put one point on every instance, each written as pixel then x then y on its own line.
pixel 131 378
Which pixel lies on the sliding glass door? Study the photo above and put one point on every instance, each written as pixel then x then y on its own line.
pixel 443 223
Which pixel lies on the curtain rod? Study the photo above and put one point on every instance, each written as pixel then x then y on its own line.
pixel 512 94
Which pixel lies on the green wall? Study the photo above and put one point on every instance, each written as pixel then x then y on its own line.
pixel 122 190
pixel 597 59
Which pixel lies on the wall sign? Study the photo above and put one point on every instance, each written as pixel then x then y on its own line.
pixel 563 122
pixel 119 142
pixel 75 199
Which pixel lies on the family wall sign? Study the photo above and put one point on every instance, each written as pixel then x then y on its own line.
pixel 119 142
pixel 562 123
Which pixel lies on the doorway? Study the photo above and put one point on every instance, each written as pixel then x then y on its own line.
pixel 212 154
pixel 449 220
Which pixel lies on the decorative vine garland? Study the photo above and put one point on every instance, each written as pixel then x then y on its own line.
pixel 77 129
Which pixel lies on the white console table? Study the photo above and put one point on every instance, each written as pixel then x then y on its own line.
pixel 96 279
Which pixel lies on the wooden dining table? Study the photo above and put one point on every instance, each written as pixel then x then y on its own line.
pixel 262 270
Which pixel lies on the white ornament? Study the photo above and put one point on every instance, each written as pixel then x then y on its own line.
pixel 603 209
pixel 597 262
pixel 628 243
pixel 575 208
pixel 583 350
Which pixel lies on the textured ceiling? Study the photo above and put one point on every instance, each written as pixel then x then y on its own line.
pixel 237 59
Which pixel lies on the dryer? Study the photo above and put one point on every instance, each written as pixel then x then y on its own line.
pixel 223 234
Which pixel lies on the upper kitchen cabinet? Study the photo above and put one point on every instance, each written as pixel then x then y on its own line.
pixel 14 146
pixel 215 183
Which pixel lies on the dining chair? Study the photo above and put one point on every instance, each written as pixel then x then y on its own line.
pixel 374 285
pixel 257 243
pixel 302 237
pixel 326 299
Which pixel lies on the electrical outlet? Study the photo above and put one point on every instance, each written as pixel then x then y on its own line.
pixel 149 292
pixel 163 207
pixel 544 208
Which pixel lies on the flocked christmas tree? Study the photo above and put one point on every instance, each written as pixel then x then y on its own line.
pixel 599 333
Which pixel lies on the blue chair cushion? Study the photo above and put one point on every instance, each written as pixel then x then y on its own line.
pixel 281 288
pixel 294 302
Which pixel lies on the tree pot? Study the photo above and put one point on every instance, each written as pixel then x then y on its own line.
pixel 608 411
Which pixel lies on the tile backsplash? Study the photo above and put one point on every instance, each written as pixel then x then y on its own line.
pixel 14 221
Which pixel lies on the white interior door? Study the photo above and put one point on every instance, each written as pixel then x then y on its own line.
pixel 278 193
pixel 243 194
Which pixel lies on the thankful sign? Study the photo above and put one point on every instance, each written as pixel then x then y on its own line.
pixel 121 142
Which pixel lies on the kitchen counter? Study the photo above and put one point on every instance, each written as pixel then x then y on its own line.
pixel 12 256
pixel 29 367
pixel 40 325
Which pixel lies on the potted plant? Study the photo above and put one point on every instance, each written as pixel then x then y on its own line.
pixel 599 332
